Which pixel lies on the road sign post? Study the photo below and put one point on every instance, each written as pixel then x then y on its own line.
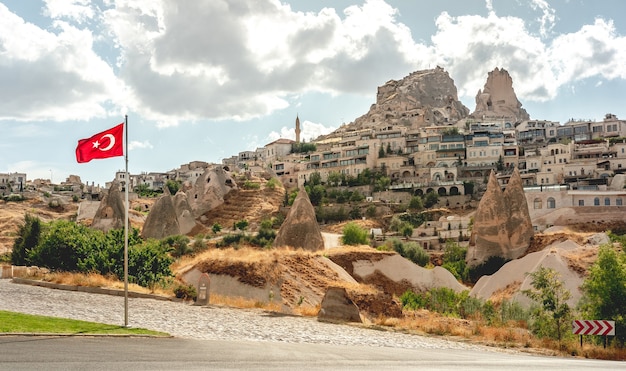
pixel 593 327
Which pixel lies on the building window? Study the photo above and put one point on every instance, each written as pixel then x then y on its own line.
pixel 596 201
pixel 607 201
pixel 581 202
pixel 537 203
pixel 551 203
pixel 618 202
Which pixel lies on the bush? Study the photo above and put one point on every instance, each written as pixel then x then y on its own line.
pixel 71 247
pixel 354 235
pixel 250 185
pixel 272 183
pixel 148 263
pixel 178 245
pixel 411 251
pixel 185 292
pixel 454 260
pixel 27 239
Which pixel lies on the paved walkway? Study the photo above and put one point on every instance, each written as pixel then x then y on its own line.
pixel 210 322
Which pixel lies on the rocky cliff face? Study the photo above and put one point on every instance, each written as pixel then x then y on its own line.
pixel 300 228
pixel 209 190
pixel 423 98
pixel 502 225
pixel 170 215
pixel 498 100
pixel 110 214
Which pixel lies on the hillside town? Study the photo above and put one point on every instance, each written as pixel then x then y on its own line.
pixel 421 139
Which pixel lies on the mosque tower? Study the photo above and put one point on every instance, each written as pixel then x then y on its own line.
pixel 297 129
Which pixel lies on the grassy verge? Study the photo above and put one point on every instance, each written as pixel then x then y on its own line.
pixel 11 322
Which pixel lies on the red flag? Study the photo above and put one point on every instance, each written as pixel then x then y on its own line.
pixel 108 143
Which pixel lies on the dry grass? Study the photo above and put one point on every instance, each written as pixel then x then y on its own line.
pixel 513 335
pixel 239 302
pixel 98 280
pixel 307 310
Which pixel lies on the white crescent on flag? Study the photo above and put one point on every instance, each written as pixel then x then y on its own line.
pixel 111 142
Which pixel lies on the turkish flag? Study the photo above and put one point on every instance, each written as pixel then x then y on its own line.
pixel 108 143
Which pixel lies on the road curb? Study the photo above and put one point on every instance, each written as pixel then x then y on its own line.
pixel 92 290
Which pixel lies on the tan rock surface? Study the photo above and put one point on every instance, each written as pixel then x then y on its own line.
pixel 497 99
pixel 209 190
pixel 564 257
pixel 502 225
pixel 111 212
pixel 300 228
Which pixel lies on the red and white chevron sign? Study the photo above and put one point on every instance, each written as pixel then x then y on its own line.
pixel 593 327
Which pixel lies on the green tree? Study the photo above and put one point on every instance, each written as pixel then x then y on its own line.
pixel 334 178
pixel 381 152
pixel 353 234
pixel 431 199
pixel 173 186
pixel 454 260
pixel 382 184
pixel 500 164
pixel 315 179
pixel 406 229
pixel 316 194
pixel 416 204
pixel 604 290
pixel 552 317
pixel 242 225
pixel 216 228
pixel 389 151
pixel 27 239
pixel 178 245
pixel 148 263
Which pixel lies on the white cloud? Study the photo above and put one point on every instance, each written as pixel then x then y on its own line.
pixel 237 61
pixel 52 75
pixel 538 68
pixel 181 63
pixel 135 144
pixel 309 130
pixel 77 10
pixel 548 16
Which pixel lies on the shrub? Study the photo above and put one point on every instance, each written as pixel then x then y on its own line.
pixel 454 260
pixel 216 228
pixel 148 263
pixel 186 292
pixel 411 251
pixel 27 239
pixel 354 235
pixel 250 185
pixel 178 245
pixel 272 183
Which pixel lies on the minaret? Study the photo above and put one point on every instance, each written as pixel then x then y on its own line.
pixel 297 129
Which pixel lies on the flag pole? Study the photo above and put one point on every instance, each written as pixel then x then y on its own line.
pixel 127 184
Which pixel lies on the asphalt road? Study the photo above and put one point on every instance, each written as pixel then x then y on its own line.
pixel 123 353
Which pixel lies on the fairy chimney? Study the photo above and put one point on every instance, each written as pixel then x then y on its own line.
pixel 300 228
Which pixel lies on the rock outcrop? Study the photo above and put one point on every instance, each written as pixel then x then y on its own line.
pixel 502 225
pixel 564 257
pixel 170 215
pixel 111 213
pixel 300 228
pixel 424 98
pixel 209 190
pixel 498 100
pixel 337 306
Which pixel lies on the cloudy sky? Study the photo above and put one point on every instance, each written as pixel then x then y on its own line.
pixel 206 79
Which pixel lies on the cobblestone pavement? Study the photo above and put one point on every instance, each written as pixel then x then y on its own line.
pixel 200 322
